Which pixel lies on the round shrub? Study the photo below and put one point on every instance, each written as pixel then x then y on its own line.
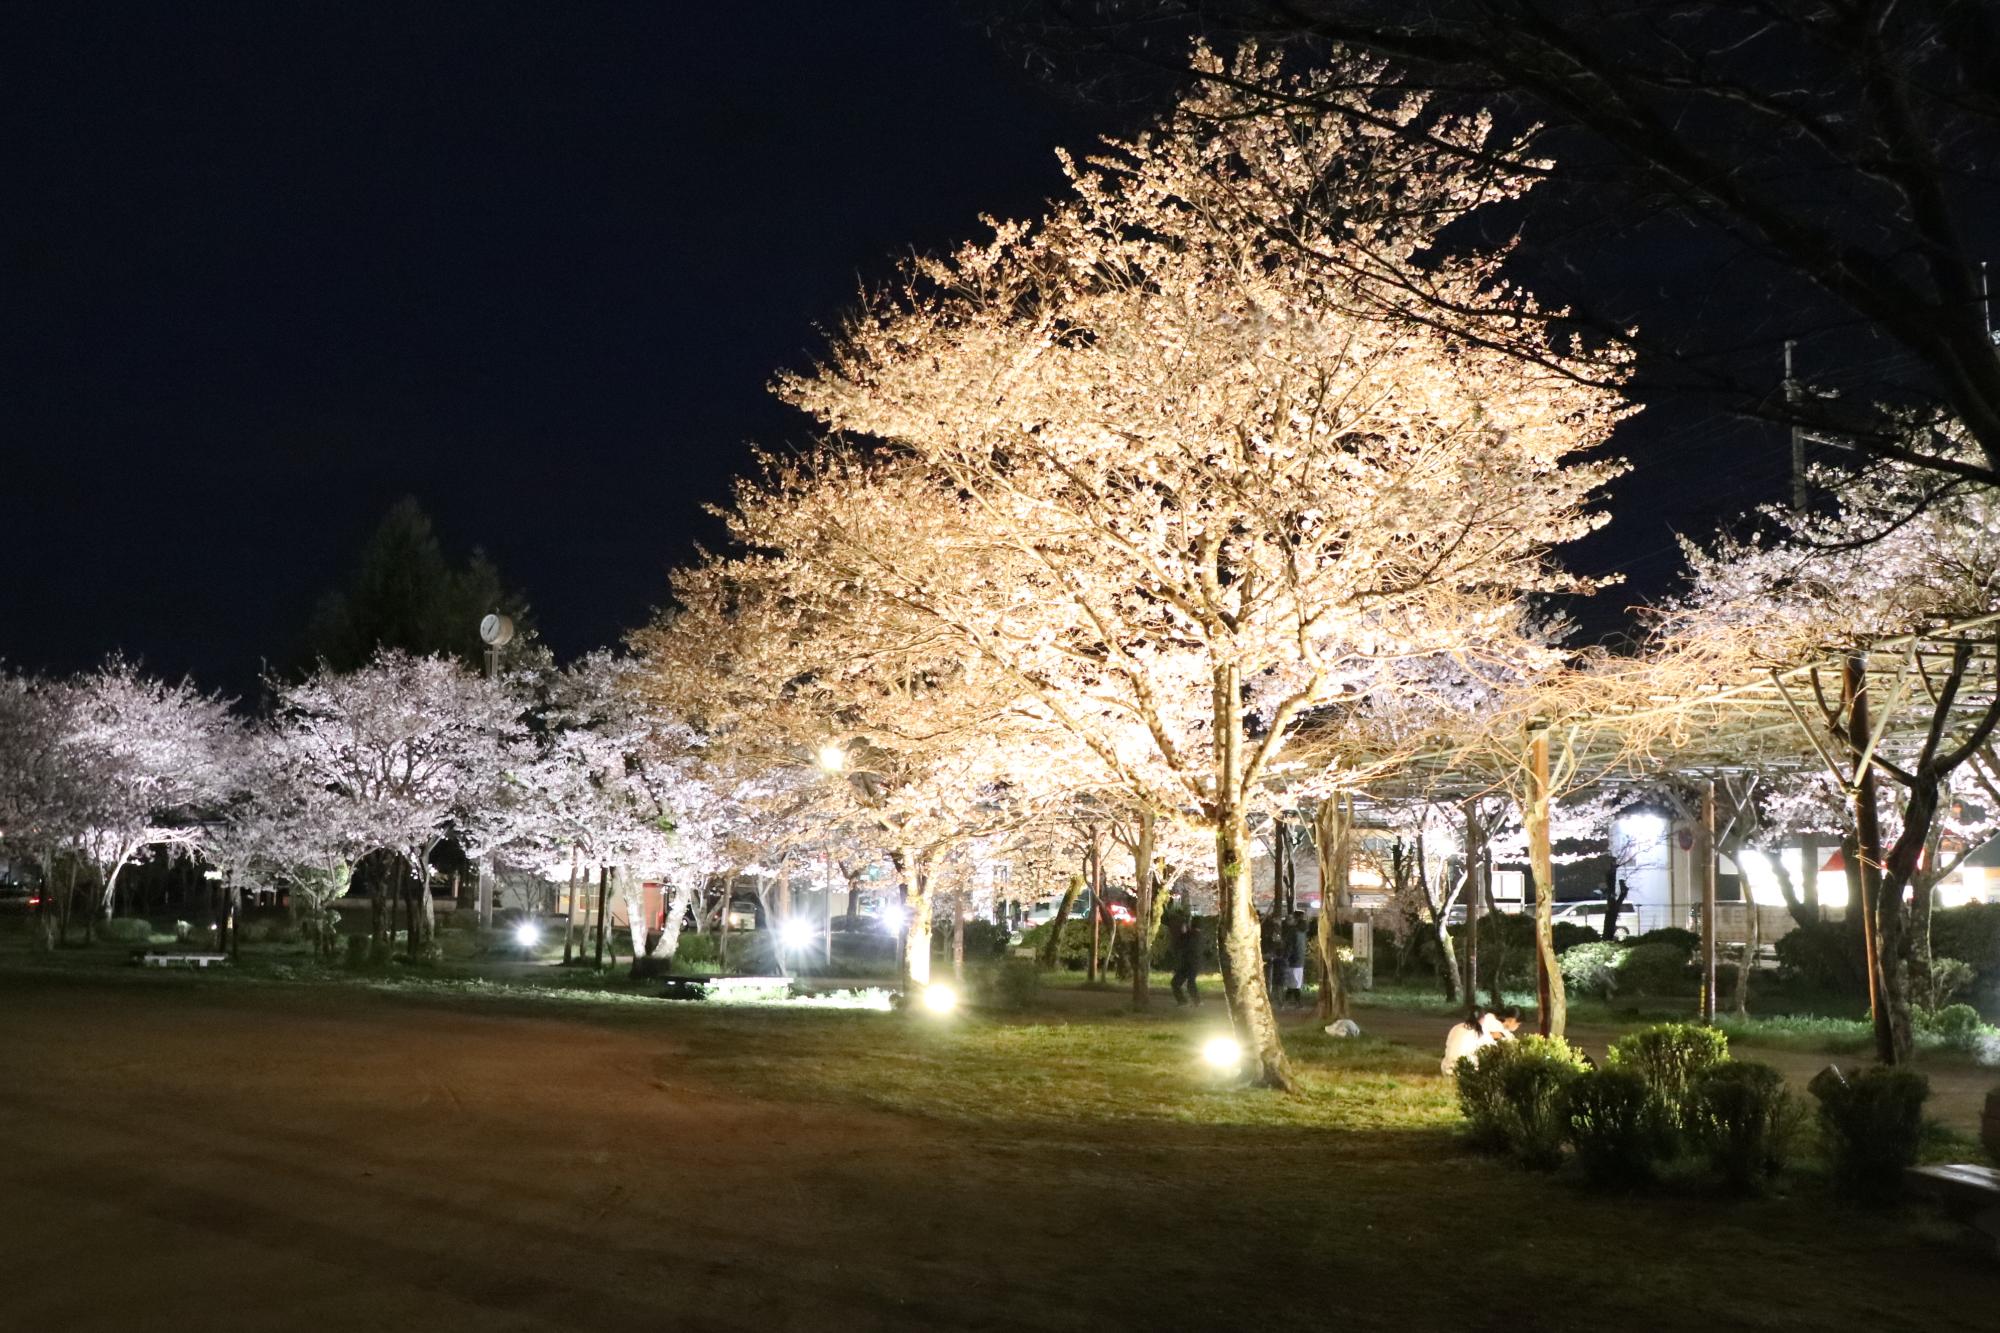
pixel 1825 956
pixel 1957 1027
pixel 983 940
pixel 1872 1125
pixel 1010 984
pixel 1513 1097
pixel 1684 940
pixel 1742 1120
pixel 1659 968
pixel 127 930
pixel 1669 1057
pixel 1618 1125
pixel 1592 968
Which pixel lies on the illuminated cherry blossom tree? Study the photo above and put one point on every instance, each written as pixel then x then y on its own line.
pixel 1170 483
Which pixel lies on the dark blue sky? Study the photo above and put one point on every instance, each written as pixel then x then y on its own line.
pixel 267 267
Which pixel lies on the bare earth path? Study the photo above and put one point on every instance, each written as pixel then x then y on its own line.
pixel 196 1158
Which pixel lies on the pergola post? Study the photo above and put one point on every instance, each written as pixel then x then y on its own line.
pixel 1705 866
pixel 1551 1012
pixel 1475 859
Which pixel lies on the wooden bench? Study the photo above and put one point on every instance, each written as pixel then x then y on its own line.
pixel 1969 1195
pixel 728 989
pixel 187 959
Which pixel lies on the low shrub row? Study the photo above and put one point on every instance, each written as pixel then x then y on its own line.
pixel 1666 1093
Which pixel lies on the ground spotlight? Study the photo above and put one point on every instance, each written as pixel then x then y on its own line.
pixel 527 934
pixel 940 998
pixel 1222 1053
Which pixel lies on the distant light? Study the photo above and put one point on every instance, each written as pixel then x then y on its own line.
pixel 892 920
pixel 832 757
pixel 940 998
pixel 527 934
pixel 1641 827
pixel 796 932
pixel 1223 1053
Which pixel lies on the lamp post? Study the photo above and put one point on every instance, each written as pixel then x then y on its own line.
pixel 496 631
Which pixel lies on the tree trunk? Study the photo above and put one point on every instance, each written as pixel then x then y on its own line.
pixel 1753 941
pixel 569 922
pixel 670 924
pixel 1553 1006
pixel 603 902
pixel 916 970
pixel 1890 1048
pixel 1475 895
pixel 1144 919
pixel 1242 959
pixel 1332 830
pixel 1050 956
pixel 636 926
pixel 958 937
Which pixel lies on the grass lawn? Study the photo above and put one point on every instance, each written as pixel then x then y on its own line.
pixel 1074 1167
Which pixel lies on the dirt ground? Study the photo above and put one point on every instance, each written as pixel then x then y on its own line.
pixel 200 1158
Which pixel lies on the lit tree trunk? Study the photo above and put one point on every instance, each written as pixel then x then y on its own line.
pixel 1332 827
pixel 1475 899
pixel 1868 853
pixel 1145 920
pixel 1553 1007
pixel 670 925
pixel 916 925
pixel 604 903
pixel 569 924
pixel 1242 960
pixel 1051 951
pixel 958 936
pixel 636 926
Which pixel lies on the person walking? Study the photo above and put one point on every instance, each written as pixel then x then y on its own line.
pixel 1187 959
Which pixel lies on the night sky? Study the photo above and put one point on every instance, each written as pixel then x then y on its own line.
pixel 268 267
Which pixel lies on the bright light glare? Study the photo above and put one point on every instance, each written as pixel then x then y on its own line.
pixel 892 920
pixel 832 758
pixel 1223 1053
pixel 940 999
pixel 527 934
pixel 796 933
pixel 1641 827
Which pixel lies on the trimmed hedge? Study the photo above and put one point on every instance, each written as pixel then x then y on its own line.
pixel 1743 1121
pixel 1620 1128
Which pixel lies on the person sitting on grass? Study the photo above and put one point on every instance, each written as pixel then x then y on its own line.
pixel 1474 1035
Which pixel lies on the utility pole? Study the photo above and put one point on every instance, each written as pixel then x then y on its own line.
pixel 1798 434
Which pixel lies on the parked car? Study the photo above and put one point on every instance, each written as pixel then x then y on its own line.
pixel 18 898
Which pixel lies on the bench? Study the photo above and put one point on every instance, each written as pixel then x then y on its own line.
pixel 189 959
pixel 1969 1195
pixel 728 989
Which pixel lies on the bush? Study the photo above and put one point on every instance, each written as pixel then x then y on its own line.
pixel 1659 968
pixel 1826 957
pixel 1872 1124
pixel 1620 1128
pixel 697 953
pixel 1568 934
pixel 1591 969
pixel 1513 1097
pixel 983 940
pixel 1010 984
pixel 1970 933
pixel 1669 1057
pixel 1949 976
pixel 1956 1027
pixel 1686 941
pixel 1742 1120
pixel 252 932
pixel 127 930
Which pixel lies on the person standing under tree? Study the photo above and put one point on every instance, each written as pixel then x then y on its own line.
pixel 1187 959
pixel 1295 958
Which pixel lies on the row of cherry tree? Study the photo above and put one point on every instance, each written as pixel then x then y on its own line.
pixel 1176 516
pixel 547 769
